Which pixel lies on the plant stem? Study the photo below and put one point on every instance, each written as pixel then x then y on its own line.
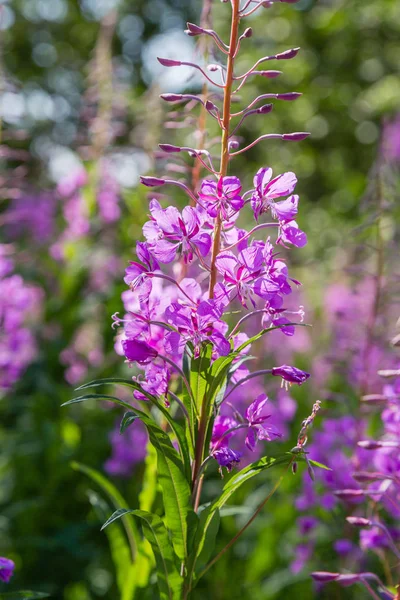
pixel 226 117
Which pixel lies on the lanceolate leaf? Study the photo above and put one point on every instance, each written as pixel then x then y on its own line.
pixel 119 547
pixel 116 499
pixel 168 579
pixel 199 375
pixel 179 515
pixel 229 488
pixel 128 418
pixel 176 427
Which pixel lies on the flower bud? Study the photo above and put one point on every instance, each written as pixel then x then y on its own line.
pixel 365 477
pixel 152 181
pixel 289 96
pixel 295 137
pixel 169 62
pixel 287 54
pixel 290 374
pixel 358 521
pixel 375 444
pixel 294 468
pixel 171 97
pixel 193 29
pixel 169 148
pixel 264 110
pixel 247 33
pixel 349 495
pixel 210 106
pixel 269 74
pixel 324 576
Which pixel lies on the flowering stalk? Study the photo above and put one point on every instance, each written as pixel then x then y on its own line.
pixel 176 329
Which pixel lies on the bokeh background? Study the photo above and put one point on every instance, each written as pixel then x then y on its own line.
pixel 80 120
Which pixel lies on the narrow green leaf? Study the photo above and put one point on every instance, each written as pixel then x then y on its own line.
pixel 23 596
pixel 319 465
pixel 120 551
pixel 168 579
pixel 98 397
pixel 179 515
pixel 128 418
pixel 210 535
pixel 228 490
pixel 116 499
pixel 199 375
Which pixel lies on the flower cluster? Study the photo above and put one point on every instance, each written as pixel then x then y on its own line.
pixel 7 567
pixel 166 314
pixel 374 480
pixel 19 307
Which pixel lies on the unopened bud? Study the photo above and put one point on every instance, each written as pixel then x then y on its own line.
pixel 294 468
pixel 169 62
pixel 151 181
pixel 264 110
pixel 295 137
pixel 311 472
pixel 289 96
pixel 365 477
pixel 269 74
pixel 324 576
pixel 171 97
pixel 169 148
pixel 359 521
pixel 349 495
pixel 193 29
pixel 247 33
pixel 375 445
pixel 210 106
pixel 287 54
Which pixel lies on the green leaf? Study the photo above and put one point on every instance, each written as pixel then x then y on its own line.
pixel 177 429
pixel 168 579
pixel 319 465
pixel 116 499
pixel 200 375
pixel 116 381
pixel 23 596
pixel 128 418
pixel 228 490
pixel 180 518
pixel 120 551
pixel 98 397
pixel 210 535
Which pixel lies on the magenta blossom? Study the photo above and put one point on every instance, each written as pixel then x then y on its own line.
pixel 268 189
pixel 7 567
pixel 170 232
pixel 226 457
pixel 137 351
pixel 136 273
pixel 197 325
pixel 290 374
pixel 257 431
pixel 222 198
pixel 290 233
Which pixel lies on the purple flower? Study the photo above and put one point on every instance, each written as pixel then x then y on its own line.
pixel 170 232
pixel 257 431
pixel 226 457
pixel 222 198
pixel 291 374
pixel 136 273
pixel 7 567
pixel 197 325
pixel 128 449
pixel 267 190
pixel 137 351
pixel 291 234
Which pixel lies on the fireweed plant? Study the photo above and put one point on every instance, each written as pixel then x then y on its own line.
pixel 195 271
